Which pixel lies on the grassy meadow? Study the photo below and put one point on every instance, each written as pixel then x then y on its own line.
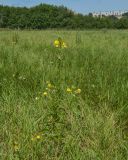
pixel 64 103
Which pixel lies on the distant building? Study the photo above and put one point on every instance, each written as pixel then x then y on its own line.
pixel 117 14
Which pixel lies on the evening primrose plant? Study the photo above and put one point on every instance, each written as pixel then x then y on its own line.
pixel 48 91
pixel 73 90
pixel 37 137
pixel 80 113
pixel 51 89
pixel 59 43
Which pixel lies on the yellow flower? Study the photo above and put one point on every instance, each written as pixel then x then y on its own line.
pixel 60 43
pixel 32 139
pixel 57 43
pixel 78 91
pixel 64 45
pixel 49 85
pixel 45 93
pixel 57 46
pixel 16 146
pixel 38 137
pixel 37 98
pixel 69 90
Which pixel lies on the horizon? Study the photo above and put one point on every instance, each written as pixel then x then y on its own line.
pixel 78 7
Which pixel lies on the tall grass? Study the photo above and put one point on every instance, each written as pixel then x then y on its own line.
pixel 92 125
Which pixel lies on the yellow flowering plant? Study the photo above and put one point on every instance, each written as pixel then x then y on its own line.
pixel 59 43
pixel 45 93
pixel 16 146
pixel 78 91
pixel 36 137
pixel 73 90
pixel 69 90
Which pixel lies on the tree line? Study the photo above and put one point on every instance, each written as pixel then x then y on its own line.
pixel 46 16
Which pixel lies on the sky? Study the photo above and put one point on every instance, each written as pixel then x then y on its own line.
pixel 79 6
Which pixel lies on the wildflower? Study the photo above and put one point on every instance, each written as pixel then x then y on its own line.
pixel 49 85
pixel 16 146
pixel 56 43
pixel 37 98
pixel 64 45
pixel 32 139
pixel 45 93
pixel 69 90
pixel 57 46
pixel 60 43
pixel 38 137
pixel 78 91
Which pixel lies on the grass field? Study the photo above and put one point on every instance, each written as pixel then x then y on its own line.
pixel 43 114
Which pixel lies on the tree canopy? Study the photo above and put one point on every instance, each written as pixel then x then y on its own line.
pixel 46 16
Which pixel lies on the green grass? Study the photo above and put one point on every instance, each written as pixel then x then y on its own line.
pixel 92 125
